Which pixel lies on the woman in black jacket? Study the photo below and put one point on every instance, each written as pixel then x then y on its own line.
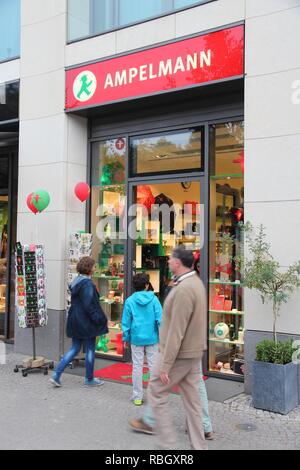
pixel 86 320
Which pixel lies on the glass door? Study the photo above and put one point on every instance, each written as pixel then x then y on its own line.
pixel 164 215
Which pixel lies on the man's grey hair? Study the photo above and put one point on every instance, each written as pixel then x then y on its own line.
pixel 185 256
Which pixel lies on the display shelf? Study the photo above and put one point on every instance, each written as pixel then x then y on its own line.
pixel 225 176
pixel 227 312
pixel 147 269
pixel 105 186
pixel 226 283
pixel 108 278
pixel 224 341
pixel 192 239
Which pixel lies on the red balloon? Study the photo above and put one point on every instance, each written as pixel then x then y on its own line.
pixel 30 205
pixel 82 191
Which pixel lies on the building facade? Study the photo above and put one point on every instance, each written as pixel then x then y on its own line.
pixel 229 142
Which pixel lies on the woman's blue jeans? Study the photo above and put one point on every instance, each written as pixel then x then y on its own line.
pixel 90 345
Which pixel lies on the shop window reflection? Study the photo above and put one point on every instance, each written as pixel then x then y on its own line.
pixel 167 152
pixel 90 17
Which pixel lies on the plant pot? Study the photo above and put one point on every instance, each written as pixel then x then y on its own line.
pixel 275 387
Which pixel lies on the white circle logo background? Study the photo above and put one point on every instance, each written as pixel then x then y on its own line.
pixel 87 91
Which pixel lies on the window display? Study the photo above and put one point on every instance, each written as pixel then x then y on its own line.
pixel 108 225
pixel 226 300
pixel 80 244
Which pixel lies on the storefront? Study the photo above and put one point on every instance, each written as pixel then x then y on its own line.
pixel 9 104
pixel 167 168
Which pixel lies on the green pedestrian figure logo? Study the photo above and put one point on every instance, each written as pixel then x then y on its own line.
pixel 85 85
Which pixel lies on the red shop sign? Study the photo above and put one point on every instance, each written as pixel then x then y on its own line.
pixel 182 64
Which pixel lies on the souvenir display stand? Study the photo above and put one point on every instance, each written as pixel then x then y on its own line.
pixel 80 245
pixel 31 300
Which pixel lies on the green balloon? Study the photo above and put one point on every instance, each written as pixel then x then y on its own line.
pixel 41 200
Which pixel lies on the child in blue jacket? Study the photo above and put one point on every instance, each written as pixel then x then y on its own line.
pixel 140 325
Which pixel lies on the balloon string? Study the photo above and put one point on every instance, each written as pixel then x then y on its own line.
pixel 36 231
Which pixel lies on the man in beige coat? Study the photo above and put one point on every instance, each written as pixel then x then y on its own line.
pixel 182 343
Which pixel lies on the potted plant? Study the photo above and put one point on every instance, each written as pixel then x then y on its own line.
pixel 274 373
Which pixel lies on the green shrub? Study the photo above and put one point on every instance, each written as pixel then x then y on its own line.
pixel 280 352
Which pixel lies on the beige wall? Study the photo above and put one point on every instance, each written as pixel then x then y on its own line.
pixel 272 129
pixel 52 145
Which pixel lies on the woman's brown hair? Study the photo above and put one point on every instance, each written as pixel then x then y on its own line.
pixel 85 265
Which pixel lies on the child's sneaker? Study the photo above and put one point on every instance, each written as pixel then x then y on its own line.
pixel 93 382
pixel 55 381
pixel 137 402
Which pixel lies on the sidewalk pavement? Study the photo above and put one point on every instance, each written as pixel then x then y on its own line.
pixel 34 415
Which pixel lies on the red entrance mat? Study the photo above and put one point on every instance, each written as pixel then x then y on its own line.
pixel 122 372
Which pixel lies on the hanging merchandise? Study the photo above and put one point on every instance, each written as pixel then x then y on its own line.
pixel 31 306
pixel 241 161
pixel 82 191
pixel 30 286
pixel 145 197
pixel 112 173
pixel 168 225
pixel 237 215
pixel 80 245
pixel 30 205
pixel 40 200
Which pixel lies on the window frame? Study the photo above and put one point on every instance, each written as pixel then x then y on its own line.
pixel 128 25
pixel 133 174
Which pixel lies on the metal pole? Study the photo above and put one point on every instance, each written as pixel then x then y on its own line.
pixel 33 341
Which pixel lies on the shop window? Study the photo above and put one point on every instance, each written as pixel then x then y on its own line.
pixel 108 225
pixel 9 101
pixel 167 152
pixel 131 11
pixel 185 3
pixel 91 17
pixel 9 29
pixel 226 299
